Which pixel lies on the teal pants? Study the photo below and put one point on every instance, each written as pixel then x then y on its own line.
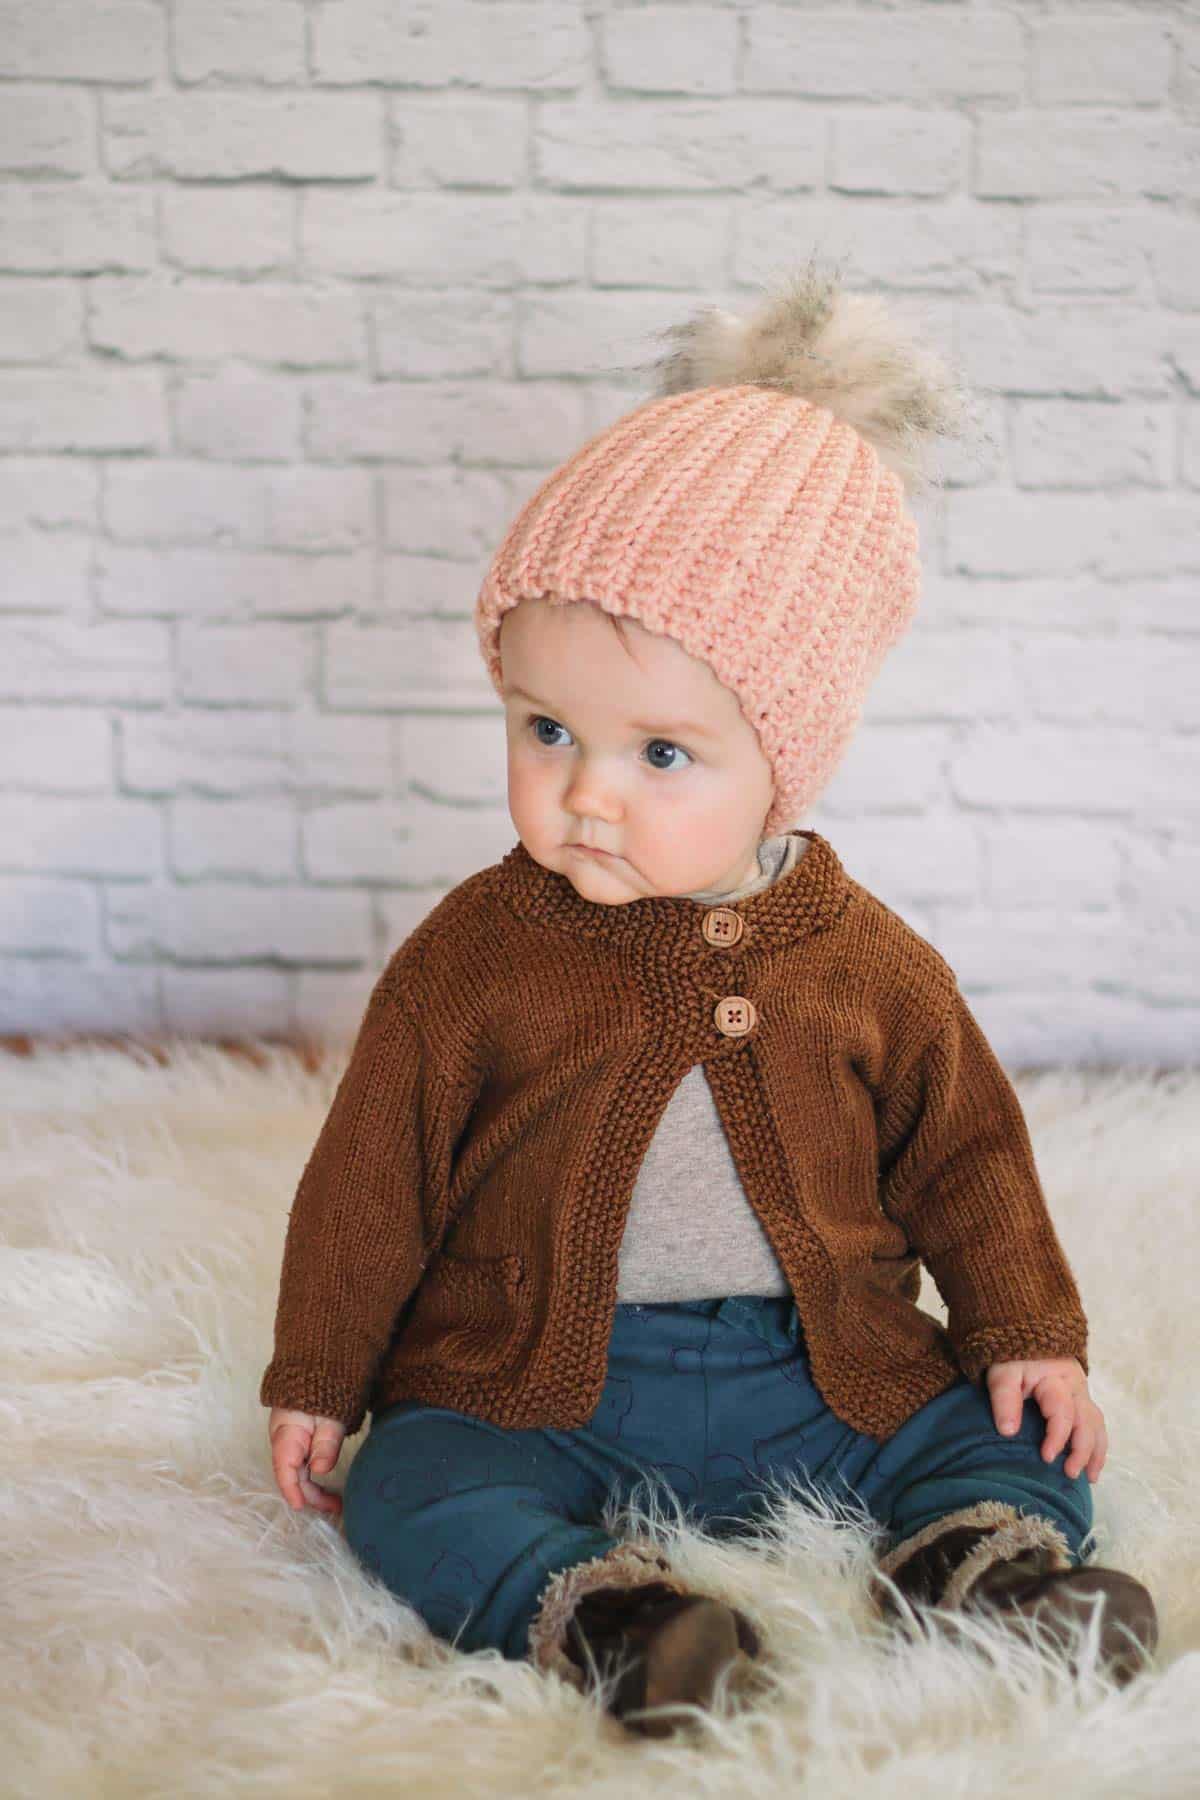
pixel 467 1521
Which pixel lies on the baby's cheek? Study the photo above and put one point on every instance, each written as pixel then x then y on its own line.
pixel 530 798
pixel 720 819
pixel 677 834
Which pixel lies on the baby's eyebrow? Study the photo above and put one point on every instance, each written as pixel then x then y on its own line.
pixel 681 727
pixel 684 727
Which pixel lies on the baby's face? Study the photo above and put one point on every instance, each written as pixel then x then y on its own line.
pixel 619 741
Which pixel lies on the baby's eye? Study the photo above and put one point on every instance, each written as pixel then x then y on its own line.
pixel 550 742
pixel 541 719
pixel 665 744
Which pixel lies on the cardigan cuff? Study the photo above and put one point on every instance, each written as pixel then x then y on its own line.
pixel 323 1392
pixel 1029 1342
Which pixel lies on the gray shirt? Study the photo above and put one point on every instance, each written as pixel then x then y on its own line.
pixel 691 1232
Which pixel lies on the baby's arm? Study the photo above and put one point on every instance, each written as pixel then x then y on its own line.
pixel 957 1172
pixel 363 1218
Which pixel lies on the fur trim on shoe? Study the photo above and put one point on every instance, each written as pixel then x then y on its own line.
pixel 632 1563
pixel 1008 1533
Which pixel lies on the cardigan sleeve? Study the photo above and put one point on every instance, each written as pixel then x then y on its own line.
pixel 367 1209
pixel 957 1173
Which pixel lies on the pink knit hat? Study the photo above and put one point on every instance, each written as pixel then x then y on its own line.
pixel 755 512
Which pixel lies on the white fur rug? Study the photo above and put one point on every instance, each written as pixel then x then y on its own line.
pixel 170 1627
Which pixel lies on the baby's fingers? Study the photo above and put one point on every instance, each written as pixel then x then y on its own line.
pixel 289 1457
pixel 1091 1447
pixel 1081 1448
pixel 1099 1455
pixel 1060 1416
pixel 323 1499
pixel 326 1445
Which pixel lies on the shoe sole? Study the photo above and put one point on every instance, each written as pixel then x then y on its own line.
pixel 684 1662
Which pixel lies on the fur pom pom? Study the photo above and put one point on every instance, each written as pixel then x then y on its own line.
pixel 842 351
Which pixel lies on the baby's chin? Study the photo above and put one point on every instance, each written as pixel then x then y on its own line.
pixel 606 881
pixel 613 889
pixel 603 880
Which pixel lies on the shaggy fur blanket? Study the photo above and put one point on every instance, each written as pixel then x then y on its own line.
pixel 171 1627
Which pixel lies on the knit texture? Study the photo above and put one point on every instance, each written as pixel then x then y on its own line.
pixel 454 1237
pixel 758 530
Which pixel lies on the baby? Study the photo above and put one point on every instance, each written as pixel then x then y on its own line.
pixel 649 1127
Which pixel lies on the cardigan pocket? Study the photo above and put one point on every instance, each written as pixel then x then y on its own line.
pixel 883 1307
pixel 469 1313
pixel 899 1276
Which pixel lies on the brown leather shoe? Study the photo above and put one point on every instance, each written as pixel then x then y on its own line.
pixel 1027 1586
pixel 666 1648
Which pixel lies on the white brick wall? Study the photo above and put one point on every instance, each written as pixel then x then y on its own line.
pixel 299 299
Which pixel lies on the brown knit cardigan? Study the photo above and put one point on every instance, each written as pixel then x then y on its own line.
pixel 454 1234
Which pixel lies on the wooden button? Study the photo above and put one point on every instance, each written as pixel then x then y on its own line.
pixel 735 1015
pixel 721 925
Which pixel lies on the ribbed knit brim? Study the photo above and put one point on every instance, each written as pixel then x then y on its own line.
pixel 760 532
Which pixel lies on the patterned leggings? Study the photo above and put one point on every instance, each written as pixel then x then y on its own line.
pixel 467 1521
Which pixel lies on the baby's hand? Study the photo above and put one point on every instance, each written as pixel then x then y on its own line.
pixel 1059 1386
pixel 304 1444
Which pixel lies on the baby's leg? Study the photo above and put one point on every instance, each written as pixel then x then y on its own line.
pixel 985 1522
pixel 467 1521
pixel 949 1470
